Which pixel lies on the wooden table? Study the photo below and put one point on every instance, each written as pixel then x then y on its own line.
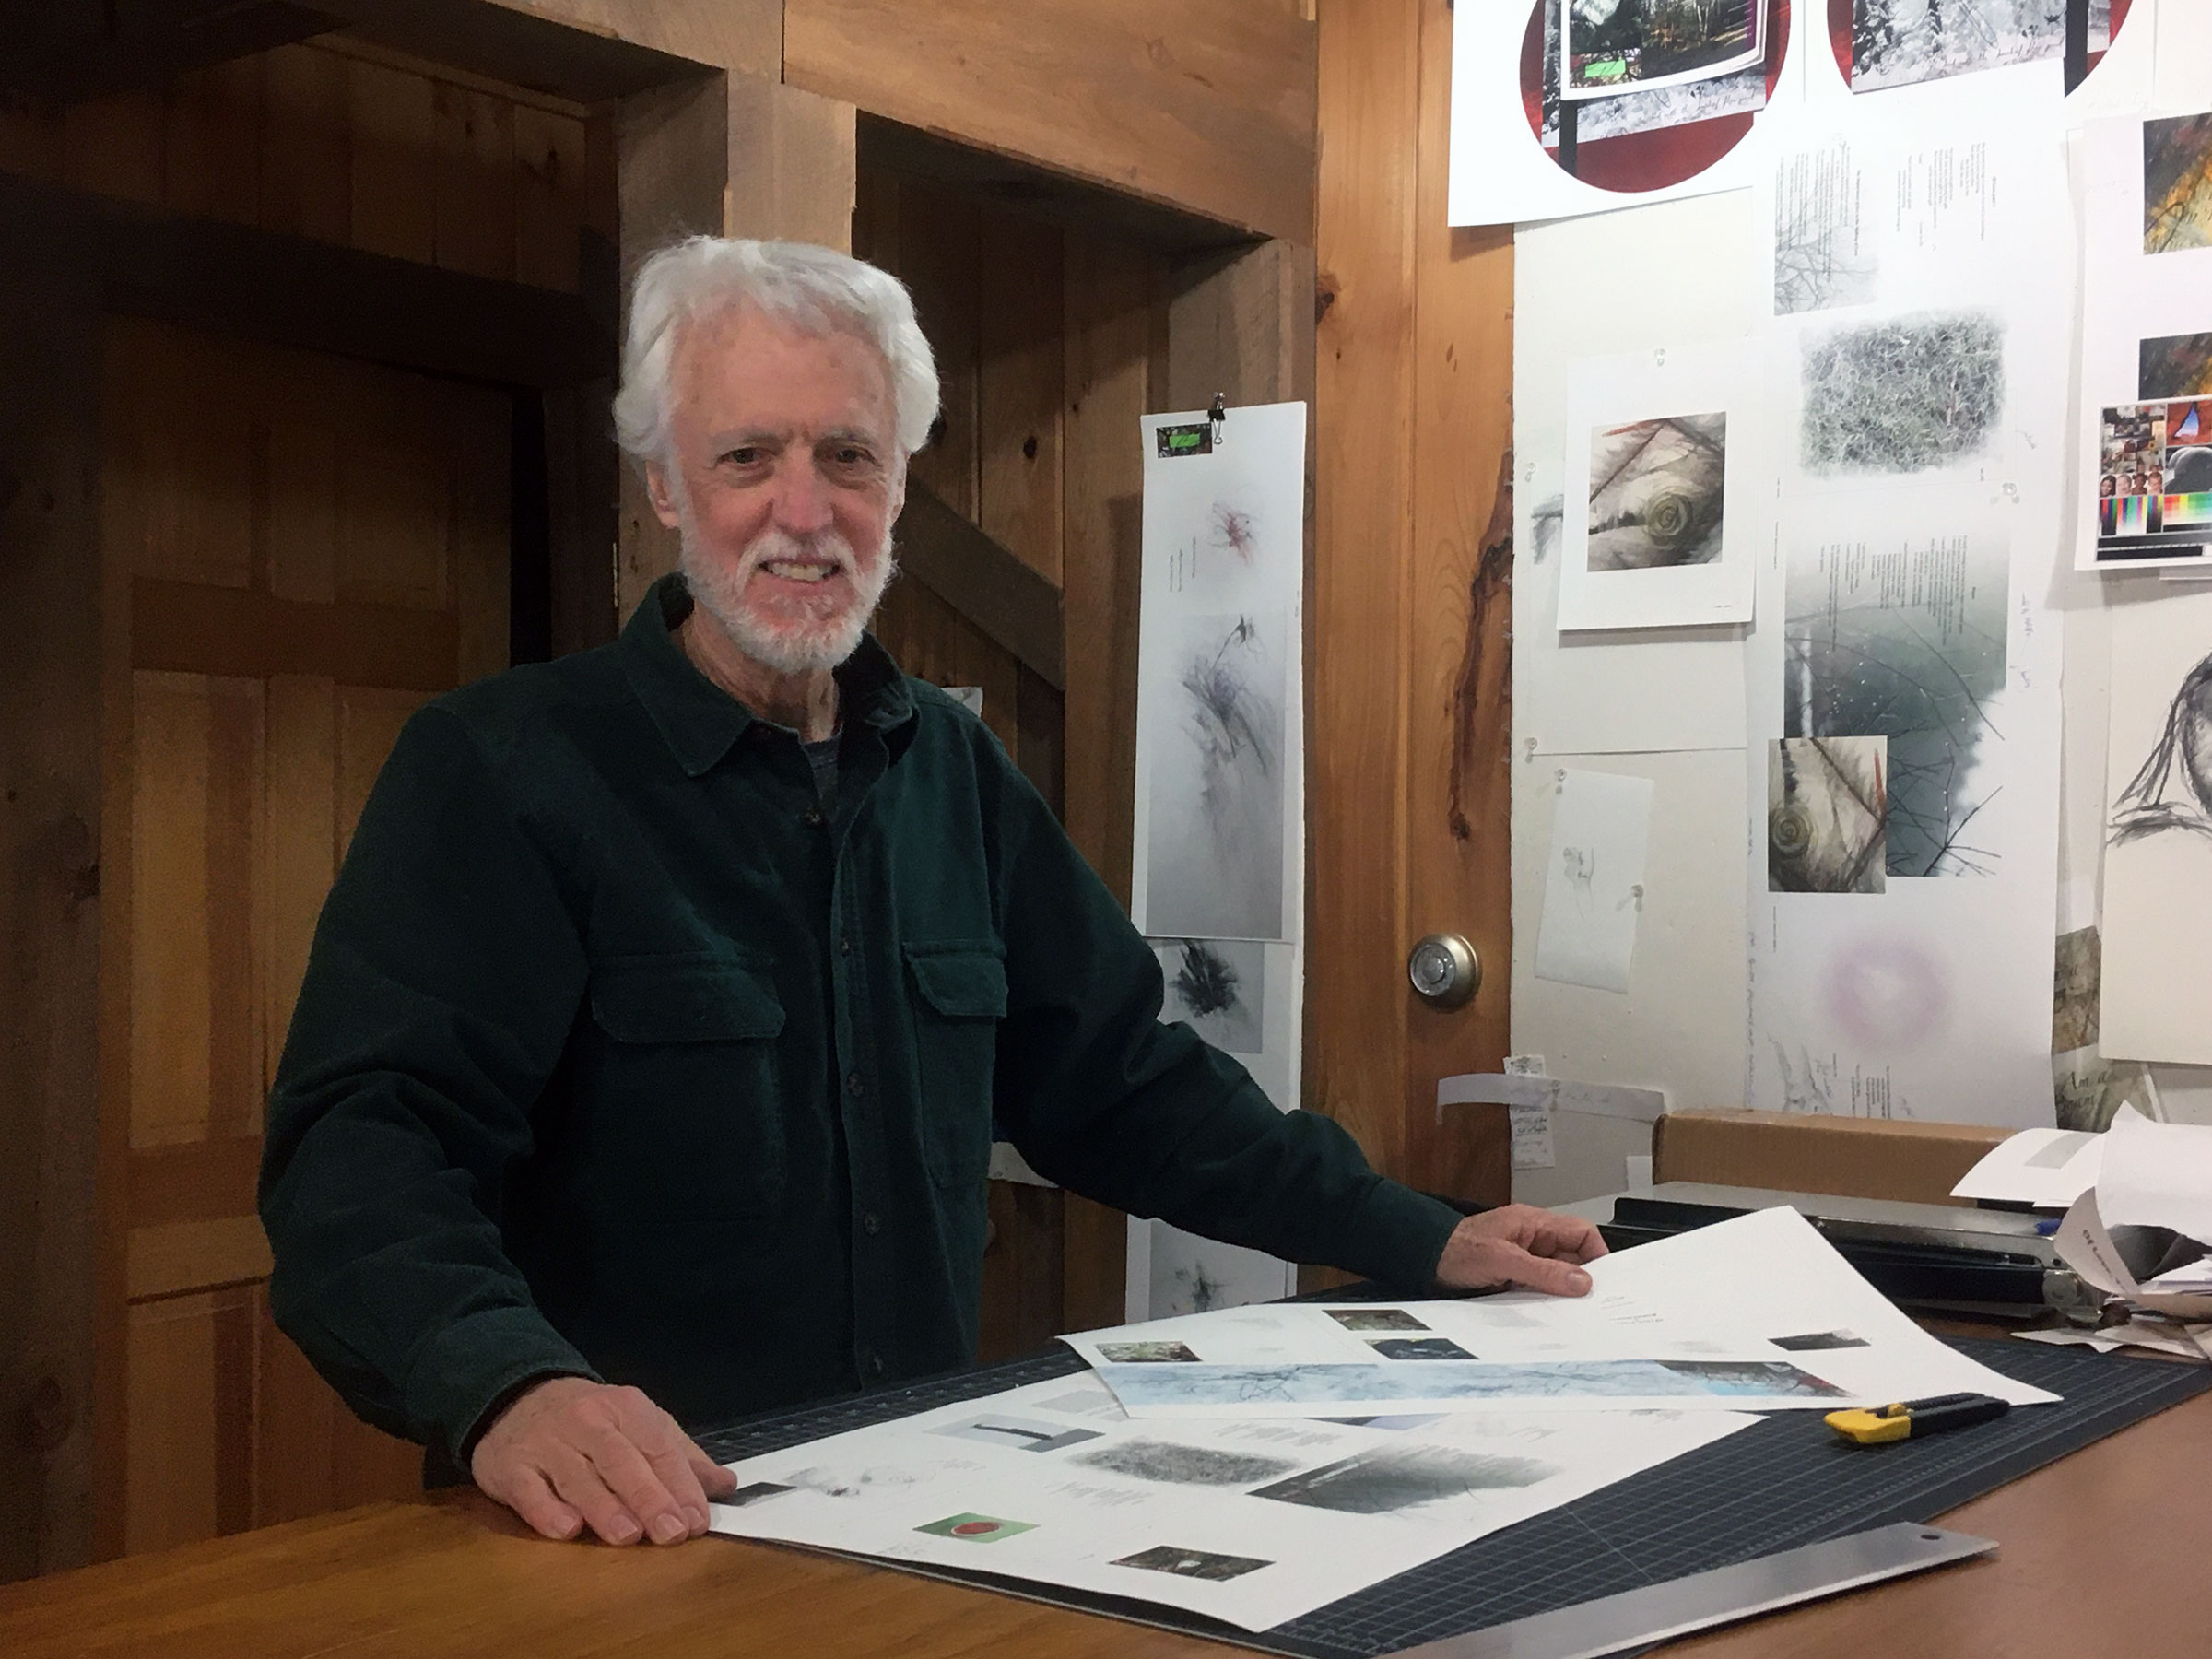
pixel 2104 1553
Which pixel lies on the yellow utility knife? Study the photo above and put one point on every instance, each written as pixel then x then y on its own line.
pixel 1874 1427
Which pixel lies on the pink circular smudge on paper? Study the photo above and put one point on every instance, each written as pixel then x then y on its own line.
pixel 1888 993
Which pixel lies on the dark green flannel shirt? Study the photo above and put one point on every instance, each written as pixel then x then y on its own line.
pixel 617 1056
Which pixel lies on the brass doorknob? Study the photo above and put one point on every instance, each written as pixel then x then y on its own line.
pixel 1445 970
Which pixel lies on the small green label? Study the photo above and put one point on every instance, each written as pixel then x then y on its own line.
pixel 1196 439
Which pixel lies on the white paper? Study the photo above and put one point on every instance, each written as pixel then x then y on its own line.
pixel 1533 1146
pixel 2146 331
pixel 2157 924
pixel 1218 852
pixel 2046 1167
pixel 2157 1175
pixel 1665 455
pixel 1904 690
pixel 1502 174
pixel 1758 1313
pixel 1251 1522
pixel 1595 884
pixel 1553 1094
pixel 1217 865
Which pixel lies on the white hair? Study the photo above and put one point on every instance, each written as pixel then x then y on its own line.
pixel 815 290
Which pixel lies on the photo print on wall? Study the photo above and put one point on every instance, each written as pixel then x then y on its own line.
pixel 2177 184
pixel 1898 42
pixel 1656 493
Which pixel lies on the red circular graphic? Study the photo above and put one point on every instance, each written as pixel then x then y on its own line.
pixel 974 1529
pixel 1663 156
pixel 1839 32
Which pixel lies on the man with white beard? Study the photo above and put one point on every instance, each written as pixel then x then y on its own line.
pixel 648 1054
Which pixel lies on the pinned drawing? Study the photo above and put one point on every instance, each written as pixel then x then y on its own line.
pixel 2174 366
pixel 1905 643
pixel 1216 831
pixel 1906 394
pixel 1656 493
pixel 2177 183
pixel 2172 790
pixel 1219 987
pixel 1898 42
pixel 1828 811
pixel 1824 251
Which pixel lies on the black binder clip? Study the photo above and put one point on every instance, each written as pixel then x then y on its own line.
pixel 1215 416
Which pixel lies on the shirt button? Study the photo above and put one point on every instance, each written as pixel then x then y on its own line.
pixel 844 946
pixel 876 1365
pixel 853 1085
pixel 814 819
pixel 872 1223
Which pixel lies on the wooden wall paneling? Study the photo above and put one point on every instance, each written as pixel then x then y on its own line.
pixel 31 140
pixel 113 145
pixel 211 161
pixel 306 165
pixel 191 1419
pixel 299 839
pixel 1460 722
pixel 1211 110
pixel 1115 298
pixel 51 910
pixel 934 244
pixel 672 160
pixel 391 143
pixel 550 202
pixel 1021 307
pixel 584 481
pixel 475 183
pixel 1359 609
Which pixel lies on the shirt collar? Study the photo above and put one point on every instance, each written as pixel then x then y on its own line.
pixel 700 721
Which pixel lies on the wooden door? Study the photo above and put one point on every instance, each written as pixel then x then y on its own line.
pixel 297 551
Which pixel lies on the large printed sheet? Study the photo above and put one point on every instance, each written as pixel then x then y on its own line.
pixel 1253 1523
pixel 1904 674
pixel 1756 1313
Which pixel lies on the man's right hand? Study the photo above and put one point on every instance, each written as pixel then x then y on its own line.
pixel 569 1452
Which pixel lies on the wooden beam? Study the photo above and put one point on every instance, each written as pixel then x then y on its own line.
pixel 237 279
pixel 1459 722
pixel 589 51
pixel 1206 109
pixel 60 54
pixel 1012 603
pixel 1356 997
pixel 49 863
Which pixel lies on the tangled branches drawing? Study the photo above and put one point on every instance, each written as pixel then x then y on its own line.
pixel 1903 395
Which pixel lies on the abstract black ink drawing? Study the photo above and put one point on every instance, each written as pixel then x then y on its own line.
pixel 2172 790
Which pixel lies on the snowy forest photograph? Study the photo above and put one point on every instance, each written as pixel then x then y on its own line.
pixel 1895 43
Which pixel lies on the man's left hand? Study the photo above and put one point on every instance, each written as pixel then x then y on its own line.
pixel 1520 1246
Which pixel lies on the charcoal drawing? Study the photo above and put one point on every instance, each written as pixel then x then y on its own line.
pixel 1216 835
pixel 2172 788
pixel 1219 987
pixel 1192 1563
pixel 1379 1482
pixel 1177 1465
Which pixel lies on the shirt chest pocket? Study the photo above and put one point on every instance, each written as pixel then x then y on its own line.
pixel 959 996
pixel 694 1113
